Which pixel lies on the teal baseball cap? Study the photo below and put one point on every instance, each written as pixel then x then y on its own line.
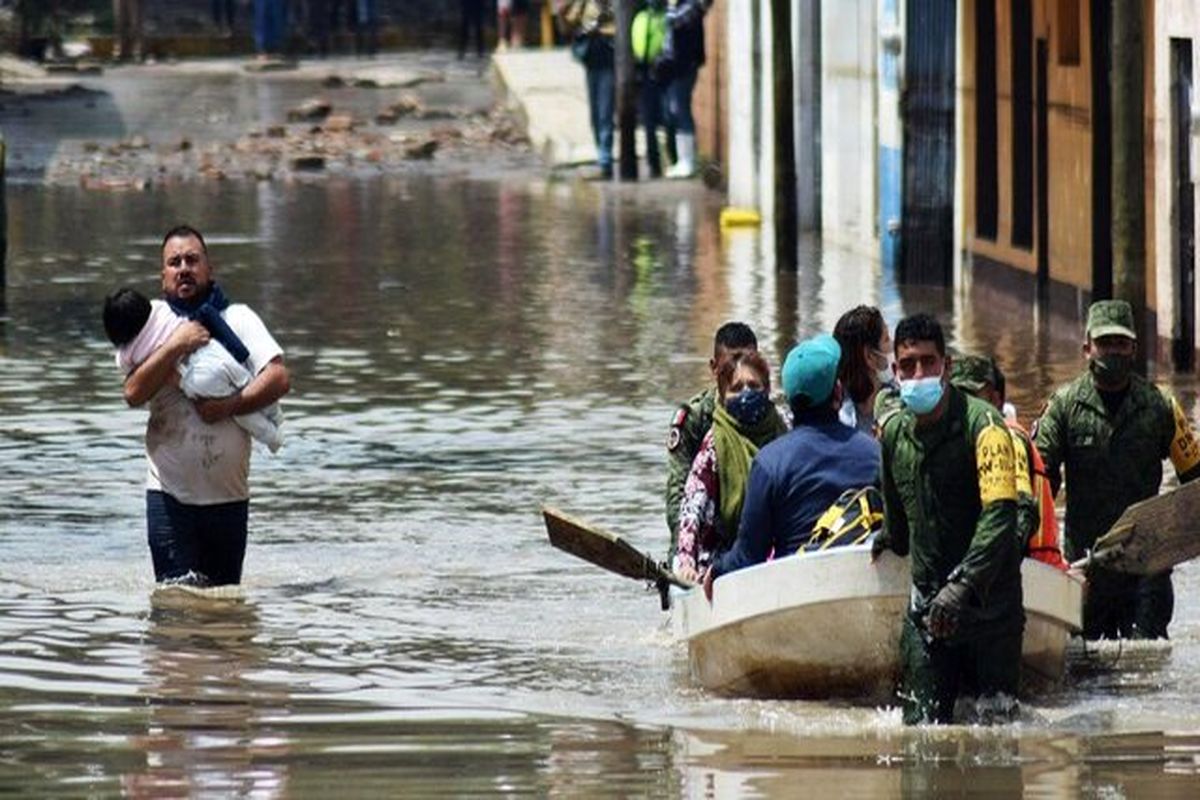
pixel 810 369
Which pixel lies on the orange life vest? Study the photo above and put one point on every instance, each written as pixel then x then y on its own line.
pixel 1043 544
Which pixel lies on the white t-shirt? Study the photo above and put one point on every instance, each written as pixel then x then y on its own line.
pixel 194 462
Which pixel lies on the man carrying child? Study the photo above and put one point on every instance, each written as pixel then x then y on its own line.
pixel 197 485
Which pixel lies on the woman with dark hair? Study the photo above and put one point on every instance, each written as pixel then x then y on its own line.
pixel 866 364
pixel 744 420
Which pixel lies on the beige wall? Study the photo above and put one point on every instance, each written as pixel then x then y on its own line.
pixel 708 103
pixel 1069 146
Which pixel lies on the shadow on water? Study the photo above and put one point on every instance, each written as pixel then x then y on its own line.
pixel 462 351
pixel 43 121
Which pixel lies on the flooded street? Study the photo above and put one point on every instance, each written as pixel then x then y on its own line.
pixel 462 351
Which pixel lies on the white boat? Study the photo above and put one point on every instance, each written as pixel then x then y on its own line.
pixel 827 624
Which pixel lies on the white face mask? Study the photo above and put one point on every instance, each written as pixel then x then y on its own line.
pixel 884 375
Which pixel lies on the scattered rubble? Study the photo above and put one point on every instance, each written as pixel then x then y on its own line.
pixel 308 163
pixel 421 151
pixel 332 133
pixel 312 109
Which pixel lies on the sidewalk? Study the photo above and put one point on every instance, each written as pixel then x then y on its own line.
pixel 548 91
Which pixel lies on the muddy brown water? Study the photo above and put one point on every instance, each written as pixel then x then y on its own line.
pixel 462 351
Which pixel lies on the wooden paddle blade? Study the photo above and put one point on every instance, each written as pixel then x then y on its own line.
pixel 602 548
pixel 1153 535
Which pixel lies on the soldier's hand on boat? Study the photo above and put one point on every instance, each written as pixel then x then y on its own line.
pixel 687 573
pixel 947 608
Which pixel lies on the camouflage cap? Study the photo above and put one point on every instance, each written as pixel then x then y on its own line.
pixel 1110 318
pixel 972 373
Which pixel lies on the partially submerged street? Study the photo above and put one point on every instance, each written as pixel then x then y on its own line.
pixel 470 334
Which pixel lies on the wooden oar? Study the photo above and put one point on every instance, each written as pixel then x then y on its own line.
pixel 607 550
pixel 1151 536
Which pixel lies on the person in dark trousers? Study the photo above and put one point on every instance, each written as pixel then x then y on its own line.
pixel 1110 430
pixel 950 505
pixel 366 28
pixel 648 35
pixel 197 483
pixel 471 20
pixel 685 55
pixel 127 15
pixel 592 26
pixel 223 15
pixel 270 25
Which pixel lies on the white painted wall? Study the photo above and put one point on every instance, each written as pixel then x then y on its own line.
pixel 766 105
pixel 849 35
pixel 742 105
pixel 1172 19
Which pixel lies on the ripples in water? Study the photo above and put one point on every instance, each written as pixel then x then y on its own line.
pixel 461 353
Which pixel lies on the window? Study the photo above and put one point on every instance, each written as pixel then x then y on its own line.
pixel 1068 25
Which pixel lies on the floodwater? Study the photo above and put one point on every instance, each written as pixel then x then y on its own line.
pixel 462 351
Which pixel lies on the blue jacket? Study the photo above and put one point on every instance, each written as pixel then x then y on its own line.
pixel 793 480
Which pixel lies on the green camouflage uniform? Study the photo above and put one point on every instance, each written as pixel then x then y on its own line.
pixel 950 502
pixel 974 374
pixel 688 426
pixel 1113 461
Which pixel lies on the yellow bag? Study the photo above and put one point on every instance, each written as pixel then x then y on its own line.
pixel 854 518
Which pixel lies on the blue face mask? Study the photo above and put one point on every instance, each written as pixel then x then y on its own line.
pixel 748 406
pixel 921 394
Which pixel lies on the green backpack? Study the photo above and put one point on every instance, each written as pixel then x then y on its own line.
pixel 649 33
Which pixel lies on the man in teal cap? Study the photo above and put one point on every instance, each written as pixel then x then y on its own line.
pixel 795 478
pixel 1110 429
pixel 950 505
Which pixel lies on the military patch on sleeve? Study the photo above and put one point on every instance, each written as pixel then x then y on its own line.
pixel 994 462
pixel 674 437
pixel 1185 450
pixel 675 434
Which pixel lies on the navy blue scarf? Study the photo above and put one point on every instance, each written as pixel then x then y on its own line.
pixel 208 314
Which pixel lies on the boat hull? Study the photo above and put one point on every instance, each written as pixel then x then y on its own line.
pixel 828 624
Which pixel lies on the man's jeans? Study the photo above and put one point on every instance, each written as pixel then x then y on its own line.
pixel 270 24
pixel 602 88
pixel 204 544
pixel 679 101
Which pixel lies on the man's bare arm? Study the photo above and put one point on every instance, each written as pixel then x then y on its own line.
pixel 267 387
pixel 150 376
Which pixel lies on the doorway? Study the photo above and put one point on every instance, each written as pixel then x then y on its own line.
pixel 1183 208
pixel 1101 44
pixel 927 206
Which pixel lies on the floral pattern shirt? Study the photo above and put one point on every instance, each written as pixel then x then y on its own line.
pixel 699 533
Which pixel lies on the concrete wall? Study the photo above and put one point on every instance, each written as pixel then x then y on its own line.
pixel 742 109
pixel 833 47
pixel 1172 19
pixel 849 138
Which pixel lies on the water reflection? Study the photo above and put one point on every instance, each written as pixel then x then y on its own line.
pixel 205 732
pixel 462 351
pixel 939 763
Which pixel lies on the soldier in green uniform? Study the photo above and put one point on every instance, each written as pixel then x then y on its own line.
pixel 950 502
pixel 1111 429
pixel 693 419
